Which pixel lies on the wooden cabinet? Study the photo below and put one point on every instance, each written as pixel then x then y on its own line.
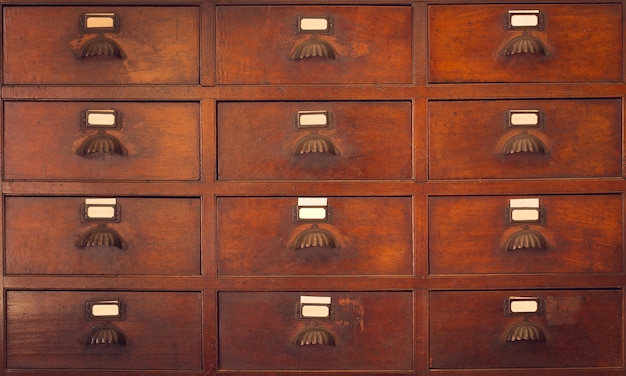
pixel 217 187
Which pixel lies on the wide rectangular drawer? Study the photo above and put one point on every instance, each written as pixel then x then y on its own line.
pixel 314 44
pixel 314 140
pixel 358 236
pixel 101 45
pixel 511 139
pixel 83 236
pixel 101 140
pixel 316 331
pixel 526 329
pixel 104 330
pixel 525 42
pixel 512 234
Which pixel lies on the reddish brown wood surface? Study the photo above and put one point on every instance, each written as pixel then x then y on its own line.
pixel 255 45
pixel 258 236
pixel 417 95
pixel 583 234
pixel 582 328
pixel 581 138
pixel 259 141
pixel 48 330
pixel 161 141
pixel 41 44
pixel 161 236
pixel 368 330
pixel 583 43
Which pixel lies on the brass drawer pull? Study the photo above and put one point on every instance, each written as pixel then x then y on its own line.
pixel 101 236
pixel 524 143
pixel 101 46
pixel 314 335
pixel 314 47
pixel 314 237
pixel 102 143
pixel 526 238
pixel 524 44
pixel 525 330
pixel 316 144
pixel 106 334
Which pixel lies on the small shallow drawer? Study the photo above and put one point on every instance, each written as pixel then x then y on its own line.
pixel 314 140
pixel 526 329
pixel 104 330
pixel 525 42
pixel 314 44
pixel 530 234
pixel 101 45
pixel 505 139
pixel 102 236
pixel 316 331
pixel 101 140
pixel 347 236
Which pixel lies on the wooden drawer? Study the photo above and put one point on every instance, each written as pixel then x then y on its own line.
pixel 353 140
pixel 287 45
pixel 575 138
pixel 363 331
pixel 136 45
pixel 361 236
pixel 56 330
pixel 146 236
pixel 571 42
pixel 147 141
pixel 571 329
pixel 573 234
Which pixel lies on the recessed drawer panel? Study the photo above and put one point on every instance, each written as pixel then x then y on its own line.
pixel 102 236
pixel 101 45
pixel 525 42
pixel 316 331
pixel 314 140
pixel 101 140
pixel 512 139
pixel 526 329
pixel 314 44
pixel 277 236
pixel 529 234
pixel 104 330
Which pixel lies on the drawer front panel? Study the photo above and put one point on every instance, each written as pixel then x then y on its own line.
pixel 365 331
pixel 48 45
pixel 579 328
pixel 365 44
pixel 149 236
pixel 360 140
pixel 148 141
pixel 363 236
pixel 571 42
pixel 574 234
pixel 54 330
pixel 573 138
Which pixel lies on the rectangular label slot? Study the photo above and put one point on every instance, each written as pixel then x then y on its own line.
pixel 100 119
pixel 314 24
pixel 99 21
pixel 524 118
pixel 524 19
pixel 100 209
pixel 521 305
pixel 312 209
pixel 315 307
pixel 105 309
pixel 313 119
